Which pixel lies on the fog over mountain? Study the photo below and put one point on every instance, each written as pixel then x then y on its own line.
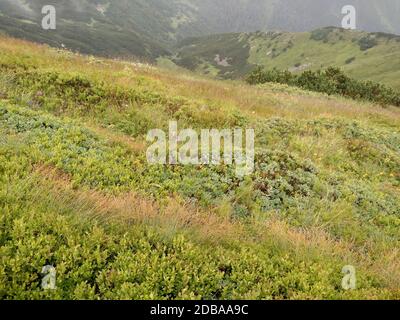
pixel 148 27
pixel 294 15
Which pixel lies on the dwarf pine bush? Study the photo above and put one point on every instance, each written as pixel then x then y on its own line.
pixel 331 81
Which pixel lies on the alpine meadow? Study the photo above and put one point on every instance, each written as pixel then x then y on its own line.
pixel 313 107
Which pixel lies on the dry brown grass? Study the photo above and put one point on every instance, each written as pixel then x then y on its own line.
pixel 134 208
pixel 127 142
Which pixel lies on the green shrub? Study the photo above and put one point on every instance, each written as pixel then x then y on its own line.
pixel 330 81
pixel 321 34
pixel 281 179
pixel 350 60
pixel 367 42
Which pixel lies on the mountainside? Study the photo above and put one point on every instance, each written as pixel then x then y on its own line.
pixel 122 28
pixel 365 56
pixel 77 192
pixel 149 28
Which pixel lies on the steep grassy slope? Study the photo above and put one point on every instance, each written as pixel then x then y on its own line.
pixel 362 55
pixel 77 192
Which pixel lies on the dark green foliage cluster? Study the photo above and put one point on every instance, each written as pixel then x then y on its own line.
pixel 367 42
pixel 350 60
pixel 321 34
pixel 331 81
pixel 281 179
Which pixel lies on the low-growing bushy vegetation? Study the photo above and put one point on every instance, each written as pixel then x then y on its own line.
pixel 331 81
pixel 105 259
pixel 321 34
pixel 77 191
pixel 367 42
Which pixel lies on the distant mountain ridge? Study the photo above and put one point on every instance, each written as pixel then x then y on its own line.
pixel 150 28
pixel 365 56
